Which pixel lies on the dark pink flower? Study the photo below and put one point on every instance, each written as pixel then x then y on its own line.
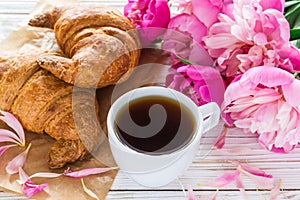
pixel 201 83
pixel 149 17
pixel 186 30
pixel 207 11
pixel 184 38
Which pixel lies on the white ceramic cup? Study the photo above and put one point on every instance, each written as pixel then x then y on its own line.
pixel 159 170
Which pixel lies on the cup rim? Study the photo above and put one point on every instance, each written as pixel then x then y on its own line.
pixel 196 114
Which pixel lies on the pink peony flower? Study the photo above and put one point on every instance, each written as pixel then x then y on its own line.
pixel 201 83
pixel 149 17
pixel 207 11
pixel 184 38
pixel 258 34
pixel 186 30
pixel 265 101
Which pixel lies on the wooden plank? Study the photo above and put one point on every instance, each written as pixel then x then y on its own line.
pixel 25 7
pixel 8 196
pixel 9 22
pixel 204 168
pixel 201 195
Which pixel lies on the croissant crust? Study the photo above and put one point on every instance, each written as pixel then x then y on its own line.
pixel 100 45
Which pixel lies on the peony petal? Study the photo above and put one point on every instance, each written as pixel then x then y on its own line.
pixel 5 147
pixel 223 179
pixel 214 82
pixel 252 170
pixel 275 191
pixel 221 40
pixel 274 4
pixel 267 140
pixel 87 172
pixel 220 141
pixel 199 54
pixel 262 182
pixel 240 186
pixel 268 76
pixel 29 189
pixel 205 11
pixel 291 93
pixel 260 39
pixel 8 136
pixel 191 195
pixel 23 176
pixel 19 161
pixel 88 191
pixel 14 123
pixel 214 197
pixel 45 175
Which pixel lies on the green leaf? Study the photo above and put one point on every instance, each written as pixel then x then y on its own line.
pixel 298 44
pixel 292 14
pixel 186 61
pixel 295 34
pixel 288 4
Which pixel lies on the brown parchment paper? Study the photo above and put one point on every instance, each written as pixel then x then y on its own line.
pixel 150 71
pixel 25 38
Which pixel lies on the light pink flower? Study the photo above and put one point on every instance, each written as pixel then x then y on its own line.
pixel 258 34
pixel 17 137
pixel 149 17
pixel 201 83
pixel 265 101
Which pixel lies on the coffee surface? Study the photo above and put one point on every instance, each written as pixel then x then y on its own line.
pixel 155 125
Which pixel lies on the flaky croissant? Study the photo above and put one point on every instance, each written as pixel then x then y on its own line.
pixel 100 44
pixel 45 104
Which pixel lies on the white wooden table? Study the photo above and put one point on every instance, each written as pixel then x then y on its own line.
pixel 204 168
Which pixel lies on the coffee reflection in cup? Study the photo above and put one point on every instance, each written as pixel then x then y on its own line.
pixel 155 125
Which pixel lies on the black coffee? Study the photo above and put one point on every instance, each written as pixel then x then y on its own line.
pixel 155 125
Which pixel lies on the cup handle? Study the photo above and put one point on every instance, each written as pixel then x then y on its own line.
pixel 211 115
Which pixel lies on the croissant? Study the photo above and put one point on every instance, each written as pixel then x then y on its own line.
pixel 99 44
pixel 45 104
